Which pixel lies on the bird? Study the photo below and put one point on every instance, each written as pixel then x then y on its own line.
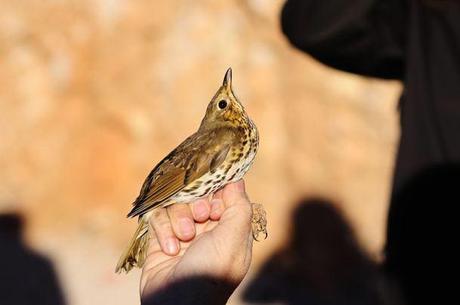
pixel 221 151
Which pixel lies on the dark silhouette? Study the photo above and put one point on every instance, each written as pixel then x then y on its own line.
pixel 321 264
pixel 414 41
pixel 25 277
pixel 418 43
pixel 422 236
pixel 197 290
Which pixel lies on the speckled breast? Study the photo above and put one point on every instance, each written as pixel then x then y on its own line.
pixel 239 160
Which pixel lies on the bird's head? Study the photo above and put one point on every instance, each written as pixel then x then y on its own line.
pixel 224 110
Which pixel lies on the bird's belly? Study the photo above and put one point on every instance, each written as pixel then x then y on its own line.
pixel 202 187
pixel 212 182
pixel 240 168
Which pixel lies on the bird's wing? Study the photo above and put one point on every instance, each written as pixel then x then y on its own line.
pixel 197 155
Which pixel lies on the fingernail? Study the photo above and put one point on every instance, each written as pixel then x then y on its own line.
pixel 186 227
pixel 171 245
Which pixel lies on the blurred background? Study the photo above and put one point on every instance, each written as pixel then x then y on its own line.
pixel 94 93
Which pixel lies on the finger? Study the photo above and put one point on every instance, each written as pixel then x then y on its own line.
pixel 182 221
pixel 200 210
pixel 160 223
pixel 217 208
pixel 217 205
pixel 218 194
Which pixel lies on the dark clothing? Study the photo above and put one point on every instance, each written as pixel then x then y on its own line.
pixel 422 252
pixel 415 41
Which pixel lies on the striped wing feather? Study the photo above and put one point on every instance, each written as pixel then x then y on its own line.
pixel 193 158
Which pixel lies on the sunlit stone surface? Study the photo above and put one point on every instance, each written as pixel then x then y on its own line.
pixel 94 93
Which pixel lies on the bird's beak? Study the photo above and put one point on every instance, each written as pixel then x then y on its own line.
pixel 227 83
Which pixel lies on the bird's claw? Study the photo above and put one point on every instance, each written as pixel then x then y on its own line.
pixel 259 221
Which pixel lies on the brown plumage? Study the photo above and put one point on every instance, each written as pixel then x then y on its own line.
pixel 220 152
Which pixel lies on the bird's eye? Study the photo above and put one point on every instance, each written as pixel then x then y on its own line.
pixel 222 104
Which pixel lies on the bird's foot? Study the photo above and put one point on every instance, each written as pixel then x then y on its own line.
pixel 259 221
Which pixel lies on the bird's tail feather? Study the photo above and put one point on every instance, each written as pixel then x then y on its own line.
pixel 135 253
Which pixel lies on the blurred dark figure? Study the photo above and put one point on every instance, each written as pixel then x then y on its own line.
pixel 422 250
pixel 417 42
pixel 26 278
pixel 321 265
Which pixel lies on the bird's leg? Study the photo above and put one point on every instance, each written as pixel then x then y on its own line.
pixel 259 221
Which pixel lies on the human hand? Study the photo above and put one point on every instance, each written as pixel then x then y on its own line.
pixel 202 240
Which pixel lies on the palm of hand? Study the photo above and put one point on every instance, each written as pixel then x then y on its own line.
pixel 215 251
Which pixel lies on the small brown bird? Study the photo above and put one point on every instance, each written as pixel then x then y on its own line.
pixel 220 152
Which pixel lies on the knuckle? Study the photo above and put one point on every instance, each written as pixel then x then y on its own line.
pixel 180 211
pixel 162 224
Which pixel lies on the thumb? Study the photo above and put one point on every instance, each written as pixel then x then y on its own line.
pixel 235 194
pixel 232 235
pixel 238 208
